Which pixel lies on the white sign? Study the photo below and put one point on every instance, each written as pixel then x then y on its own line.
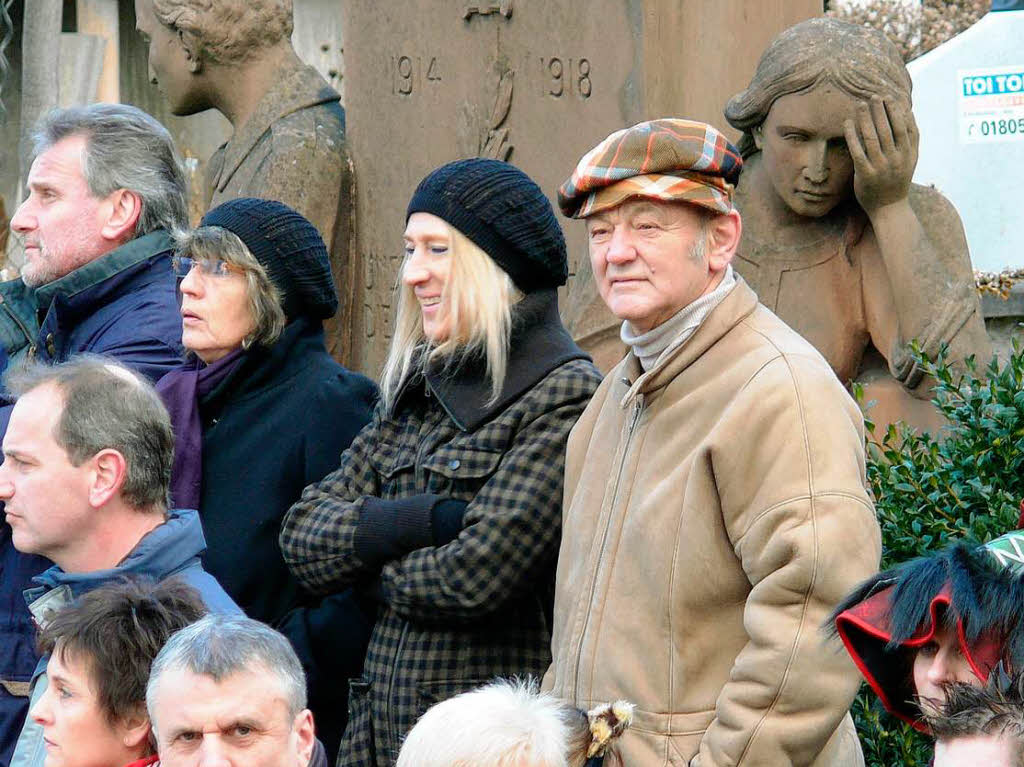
pixel 991 104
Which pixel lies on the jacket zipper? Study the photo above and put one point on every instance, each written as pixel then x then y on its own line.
pixel 637 410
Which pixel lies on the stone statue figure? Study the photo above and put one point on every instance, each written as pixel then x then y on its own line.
pixel 836 239
pixel 288 140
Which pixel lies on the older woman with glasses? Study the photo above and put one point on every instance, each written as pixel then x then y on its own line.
pixel 259 412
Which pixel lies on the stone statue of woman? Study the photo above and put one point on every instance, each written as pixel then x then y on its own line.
pixel 288 126
pixel 837 240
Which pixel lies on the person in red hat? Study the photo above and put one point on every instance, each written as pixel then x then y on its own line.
pixel 934 621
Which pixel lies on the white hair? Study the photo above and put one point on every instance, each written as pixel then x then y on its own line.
pixel 503 724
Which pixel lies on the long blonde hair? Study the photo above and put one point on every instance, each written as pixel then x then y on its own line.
pixel 478 296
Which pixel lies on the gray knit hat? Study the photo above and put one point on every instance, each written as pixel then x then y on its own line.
pixel 503 211
pixel 289 247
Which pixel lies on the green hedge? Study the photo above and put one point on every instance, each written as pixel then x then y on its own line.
pixel 965 481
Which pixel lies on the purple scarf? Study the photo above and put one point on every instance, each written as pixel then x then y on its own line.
pixel 181 390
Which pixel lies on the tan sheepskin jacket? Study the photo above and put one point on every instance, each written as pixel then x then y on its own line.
pixel 715 512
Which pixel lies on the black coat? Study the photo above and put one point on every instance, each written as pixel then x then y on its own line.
pixel 276 424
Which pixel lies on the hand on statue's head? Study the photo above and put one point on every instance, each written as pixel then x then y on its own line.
pixel 882 138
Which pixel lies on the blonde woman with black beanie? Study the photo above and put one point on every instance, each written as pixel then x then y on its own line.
pixel 447 506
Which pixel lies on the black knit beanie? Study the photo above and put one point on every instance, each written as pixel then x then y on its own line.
pixel 288 247
pixel 504 212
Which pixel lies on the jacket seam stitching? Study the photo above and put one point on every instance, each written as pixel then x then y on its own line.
pixel 793 499
pixel 814 570
pixel 613 557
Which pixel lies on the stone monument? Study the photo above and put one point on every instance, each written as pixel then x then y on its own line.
pixel 429 81
pixel 288 125
pixel 836 239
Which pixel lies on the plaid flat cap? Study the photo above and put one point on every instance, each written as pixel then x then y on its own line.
pixel 667 159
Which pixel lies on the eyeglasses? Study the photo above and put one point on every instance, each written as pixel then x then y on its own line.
pixel 213 267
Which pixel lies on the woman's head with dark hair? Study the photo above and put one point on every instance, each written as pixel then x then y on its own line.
pixel 101 648
pixel 940 619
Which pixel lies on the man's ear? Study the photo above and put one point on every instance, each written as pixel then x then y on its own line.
pixel 305 737
pixel 758 135
pixel 724 232
pixel 109 471
pixel 190 45
pixel 119 222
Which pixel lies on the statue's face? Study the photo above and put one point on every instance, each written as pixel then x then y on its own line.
pixel 171 67
pixel 803 149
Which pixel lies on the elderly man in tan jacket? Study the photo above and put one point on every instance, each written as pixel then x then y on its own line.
pixel 715 501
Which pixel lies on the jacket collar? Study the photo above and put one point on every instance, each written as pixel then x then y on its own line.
pixel 163 551
pixel 538 343
pixel 262 366
pixel 299 88
pixel 95 281
pixel 735 307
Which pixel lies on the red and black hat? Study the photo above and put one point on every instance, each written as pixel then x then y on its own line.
pixel 978 589
pixel 866 631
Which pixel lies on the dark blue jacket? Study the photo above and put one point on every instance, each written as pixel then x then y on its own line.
pixel 278 423
pixel 170 550
pixel 123 304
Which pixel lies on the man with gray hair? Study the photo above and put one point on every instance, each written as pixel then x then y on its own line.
pixel 231 691
pixel 715 492
pixel 85 477
pixel 104 190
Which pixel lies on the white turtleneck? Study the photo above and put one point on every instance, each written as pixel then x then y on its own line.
pixel 651 346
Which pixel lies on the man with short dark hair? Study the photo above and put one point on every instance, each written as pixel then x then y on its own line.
pixel 231 691
pixel 981 725
pixel 715 503
pixel 104 190
pixel 85 478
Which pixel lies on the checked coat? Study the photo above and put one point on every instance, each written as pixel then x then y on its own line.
pixel 457 608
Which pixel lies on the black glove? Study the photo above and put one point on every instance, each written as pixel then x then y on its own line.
pixel 389 530
pixel 446 520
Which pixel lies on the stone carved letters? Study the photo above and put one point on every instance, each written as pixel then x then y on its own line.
pixel 379 276
pixel 504 8
pixel 422 75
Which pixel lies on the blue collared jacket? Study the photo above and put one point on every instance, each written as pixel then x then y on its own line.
pixel 170 550
pixel 123 304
